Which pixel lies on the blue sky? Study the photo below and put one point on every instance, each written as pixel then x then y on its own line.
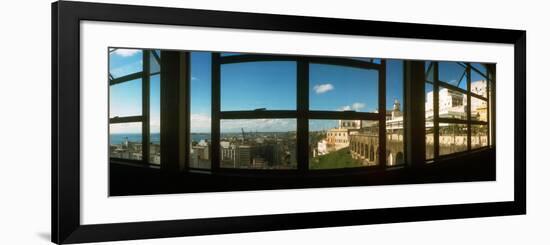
pixel 248 86
pixel 451 72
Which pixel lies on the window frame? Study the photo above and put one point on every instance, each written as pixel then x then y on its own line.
pixel 302 114
pixel 436 119
pixel 145 120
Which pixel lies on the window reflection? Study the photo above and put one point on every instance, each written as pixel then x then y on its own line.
pixel 341 88
pixel 452 104
pixel 343 143
pixel 125 141
pixel 154 120
pixel 125 99
pixel 480 135
pixel 395 142
pixel 429 121
pixel 258 143
pixel 200 109
pixel 453 73
pixel 452 138
pixel 124 62
pixel 258 86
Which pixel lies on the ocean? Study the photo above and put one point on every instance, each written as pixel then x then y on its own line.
pixel 117 139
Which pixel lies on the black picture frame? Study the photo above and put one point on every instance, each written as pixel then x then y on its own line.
pixel 66 17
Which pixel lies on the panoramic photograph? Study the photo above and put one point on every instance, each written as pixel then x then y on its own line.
pixel 199 121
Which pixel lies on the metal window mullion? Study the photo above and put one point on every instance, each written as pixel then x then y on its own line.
pixel 216 109
pixel 382 114
pixel 479 97
pixel 145 81
pixel 302 100
pixel 127 78
pixel 451 87
pixel 481 73
pixel 343 115
pixel 243 58
pixel 345 62
pixel 257 114
pixel 129 119
pixel 453 120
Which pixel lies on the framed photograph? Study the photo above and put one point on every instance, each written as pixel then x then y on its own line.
pixel 176 122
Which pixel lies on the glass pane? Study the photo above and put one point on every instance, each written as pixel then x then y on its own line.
pixel 123 62
pixel 125 99
pixel 375 61
pixel 478 71
pixel 479 87
pixel 341 88
pixel 479 109
pixel 342 143
pixel 429 115
pixel 452 138
pixel 154 61
pixel 452 104
pixel 200 109
pixel 258 86
pixel 429 70
pixel 453 73
pixel 230 54
pixel 125 140
pixel 394 118
pixel 154 120
pixel 480 135
pixel 258 143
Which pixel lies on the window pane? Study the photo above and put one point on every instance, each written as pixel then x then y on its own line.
pixel 154 61
pixel 480 135
pixel 372 60
pixel 342 143
pixel 429 70
pixel 258 143
pixel 125 140
pixel 200 108
pixel 479 79
pixel 429 117
pixel 452 138
pixel 394 118
pixel 154 120
pixel 230 54
pixel 341 88
pixel 258 85
pixel 479 87
pixel 452 104
pixel 479 109
pixel 125 99
pixel 453 73
pixel 123 62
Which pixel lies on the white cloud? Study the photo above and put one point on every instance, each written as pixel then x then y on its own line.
pixel 357 106
pixel 194 78
pixel 125 128
pixel 200 123
pixel 259 125
pixel 126 52
pixel 323 88
pixel 154 127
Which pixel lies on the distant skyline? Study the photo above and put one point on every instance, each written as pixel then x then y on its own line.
pixel 253 85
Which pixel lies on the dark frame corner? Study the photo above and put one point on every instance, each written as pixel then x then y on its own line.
pixel 66 17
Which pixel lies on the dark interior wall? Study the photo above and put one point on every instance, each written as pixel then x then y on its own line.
pixel 127 179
